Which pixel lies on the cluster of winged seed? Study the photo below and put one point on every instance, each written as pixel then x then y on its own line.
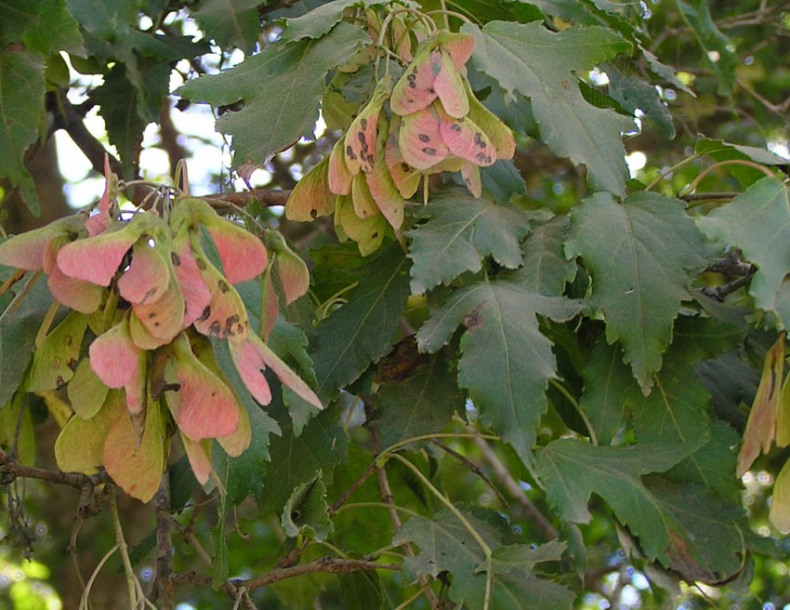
pixel 145 298
pixel 428 122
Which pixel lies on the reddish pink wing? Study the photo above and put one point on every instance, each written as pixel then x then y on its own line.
pixel 163 318
pixel 79 295
pixel 225 316
pixel 404 176
pixel 415 88
pixel 113 356
pixel 420 140
pixel 199 456
pixel 251 368
pixel 467 141
pixel 243 255
pixel 449 86
pixel 459 46
pixel 194 290
pixel 148 274
pixel 203 406
pixel 339 176
pixel 471 176
pixel 382 188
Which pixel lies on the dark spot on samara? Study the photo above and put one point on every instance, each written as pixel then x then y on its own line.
pixel 175 259
pixel 205 315
pixel 412 84
pixel 479 140
pixel 201 264
pixel 423 137
pixel 59 381
pixel 405 167
pixel 232 324
pixel 411 77
pixel 375 235
pixel 363 123
pixel 72 364
pixel 215 328
pixel 429 151
pixel 151 315
pixel 456 128
pixel 223 286
pixel 313 214
pixel 350 153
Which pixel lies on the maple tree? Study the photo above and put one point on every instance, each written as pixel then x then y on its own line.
pixel 452 353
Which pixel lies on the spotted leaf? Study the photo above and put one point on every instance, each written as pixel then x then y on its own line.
pixel 415 88
pixel 56 359
pixel 420 140
pixel 499 133
pixel 311 196
pixel 381 186
pixel 225 316
pixel 360 140
pixel 466 140
pixel 404 176
pixel 338 175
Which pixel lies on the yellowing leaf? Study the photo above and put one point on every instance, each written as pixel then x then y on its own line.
pixel 86 391
pixel 761 425
pixel 367 232
pixel 136 465
pixel 783 419
pixel 311 196
pixel 779 513
pixel 56 359
pixel 80 444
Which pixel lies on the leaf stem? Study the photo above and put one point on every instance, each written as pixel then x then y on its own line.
pixel 46 323
pixel 571 399
pixel 458 515
pixel 666 172
pixel 86 593
pixel 131 579
pixel 694 183
pixel 430 437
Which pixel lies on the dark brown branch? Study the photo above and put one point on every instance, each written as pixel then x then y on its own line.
pixel 328 565
pixel 10 470
pixel 352 488
pixel 720 292
pixel 265 196
pixel 713 196
pixel 163 586
pixel 69 117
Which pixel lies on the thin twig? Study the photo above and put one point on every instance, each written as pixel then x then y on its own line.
pixel 543 525
pixel 123 548
pixel 352 488
pixel 473 468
